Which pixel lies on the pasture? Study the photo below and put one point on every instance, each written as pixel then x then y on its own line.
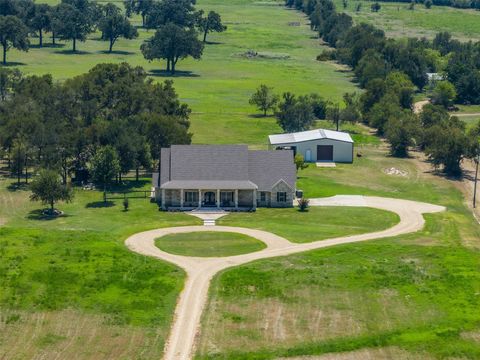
pixel 398 21
pixel 218 87
pixel 416 292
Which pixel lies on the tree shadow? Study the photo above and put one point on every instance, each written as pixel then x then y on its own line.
pixel 100 204
pixel 47 46
pixel 13 63
pixel 260 116
pixel 213 43
pixel 71 52
pixel 17 187
pixel 40 216
pixel 116 52
pixel 164 73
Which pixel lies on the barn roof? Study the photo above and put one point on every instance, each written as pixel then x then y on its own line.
pixel 309 135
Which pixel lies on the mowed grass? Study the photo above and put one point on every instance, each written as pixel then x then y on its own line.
pixel 209 244
pixel 79 262
pixel 398 21
pixel 218 87
pixel 417 292
pixel 318 223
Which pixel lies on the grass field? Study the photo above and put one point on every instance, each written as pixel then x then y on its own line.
pixel 72 278
pixel 417 292
pixel 209 244
pixel 218 87
pixel 398 21
pixel 317 224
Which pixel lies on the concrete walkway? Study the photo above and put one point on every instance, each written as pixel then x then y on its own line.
pixel 200 271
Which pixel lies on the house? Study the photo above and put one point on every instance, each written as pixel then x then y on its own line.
pixel 224 176
pixel 316 145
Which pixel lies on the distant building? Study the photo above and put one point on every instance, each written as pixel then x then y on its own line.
pixel 224 176
pixel 317 145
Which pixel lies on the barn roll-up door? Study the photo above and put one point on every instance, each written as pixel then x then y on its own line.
pixel 324 152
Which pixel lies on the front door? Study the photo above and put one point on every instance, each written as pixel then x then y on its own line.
pixel 209 199
pixel 308 155
pixel 324 152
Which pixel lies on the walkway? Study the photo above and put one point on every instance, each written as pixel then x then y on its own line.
pixel 200 271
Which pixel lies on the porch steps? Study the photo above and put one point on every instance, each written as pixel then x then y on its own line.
pixel 209 222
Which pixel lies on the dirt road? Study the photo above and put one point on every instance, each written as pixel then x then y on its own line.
pixel 200 271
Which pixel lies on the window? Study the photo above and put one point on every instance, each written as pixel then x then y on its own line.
pixel 191 197
pixel 281 196
pixel 226 197
pixel 263 196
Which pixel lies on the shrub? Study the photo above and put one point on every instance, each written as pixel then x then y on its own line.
pixel 303 204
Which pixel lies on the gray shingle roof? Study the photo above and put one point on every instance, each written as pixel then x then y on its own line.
pixel 209 185
pixel 266 168
pixel 225 167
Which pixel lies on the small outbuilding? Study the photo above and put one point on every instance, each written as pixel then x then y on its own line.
pixel 318 145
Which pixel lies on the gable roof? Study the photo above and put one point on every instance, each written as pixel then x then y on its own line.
pixel 267 168
pixel 224 167
pixel 309 135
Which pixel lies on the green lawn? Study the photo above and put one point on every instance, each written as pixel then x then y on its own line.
pixel 318 223
pixel 209 244
pixel 218 87
pixel 398 21
pixel 417 292
pixel 79 262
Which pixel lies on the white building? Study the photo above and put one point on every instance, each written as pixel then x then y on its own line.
pixel 317 145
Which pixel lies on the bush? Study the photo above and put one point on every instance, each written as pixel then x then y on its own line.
pixel 303 204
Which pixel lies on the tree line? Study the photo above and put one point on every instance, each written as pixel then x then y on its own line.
pixel 94 127
pixel 462 4
pixel 392 71
pixel 178 25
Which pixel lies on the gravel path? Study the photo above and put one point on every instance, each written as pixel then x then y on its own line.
pixel 200 271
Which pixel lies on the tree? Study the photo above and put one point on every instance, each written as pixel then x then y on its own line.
pixel 172 43
pixel 179 12
pixel 47 187
pixel 300 162
pixel 41 20
pixel 428 4
pixel 333 113
pixel 376 7
pixel 9 78
pixel 104 166
pixel 448 145
pixel 295 114
pixel 264 99
pixel 444 94
pixel 351 113
pixel 141 7
pixel 13 33
pixel 114 25
pixel 18 156
pixel 212 22
pixel 401 132
pixel 72 23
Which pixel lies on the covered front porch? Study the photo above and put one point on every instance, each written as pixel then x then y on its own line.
pixel 225 199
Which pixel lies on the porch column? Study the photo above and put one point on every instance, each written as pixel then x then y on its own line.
pixel 236 198
pixel 218 198
pixel 163 199
pixel 199 198
pixel 254 199
pixel 182 198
